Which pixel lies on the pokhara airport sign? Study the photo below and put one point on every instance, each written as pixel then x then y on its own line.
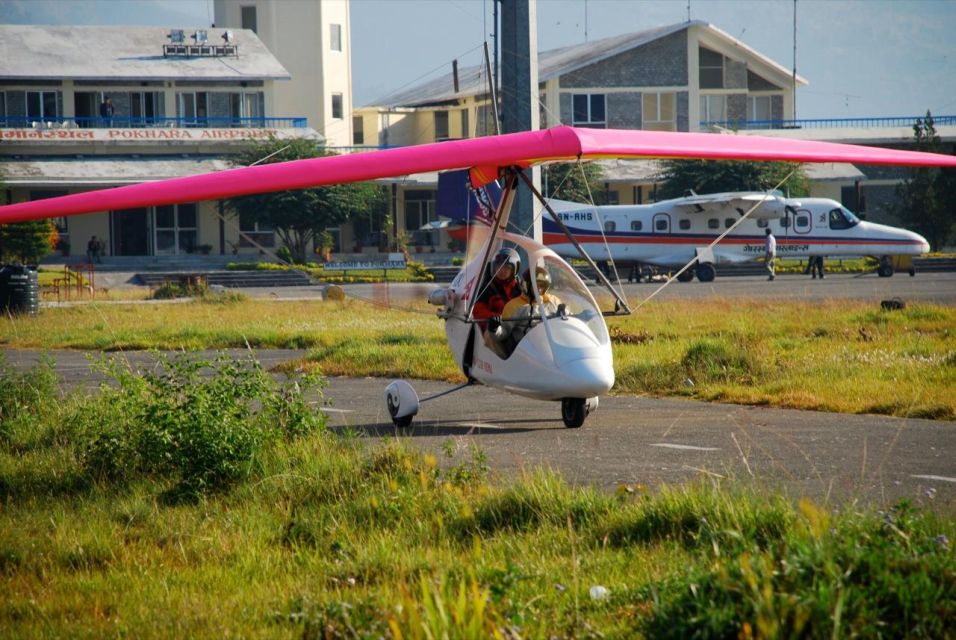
pixel 61 136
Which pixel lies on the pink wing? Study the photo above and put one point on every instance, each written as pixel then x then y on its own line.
pixel 484 156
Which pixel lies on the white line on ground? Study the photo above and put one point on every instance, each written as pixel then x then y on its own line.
pixel 331 410
pixel 940 478
pixel 476 425
pixel 684 446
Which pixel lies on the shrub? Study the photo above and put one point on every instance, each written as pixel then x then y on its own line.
pixel 33 391
pixel 200 422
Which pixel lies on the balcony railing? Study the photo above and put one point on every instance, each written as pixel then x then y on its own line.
pixel 826 123
pixel 135 122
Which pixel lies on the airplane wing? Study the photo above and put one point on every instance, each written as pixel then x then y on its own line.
pixel 769 206
pixel 485 157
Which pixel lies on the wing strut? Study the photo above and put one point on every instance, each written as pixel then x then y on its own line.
pixel 620 308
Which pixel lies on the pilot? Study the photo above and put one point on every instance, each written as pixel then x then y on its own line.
pixel 520 314
pixel 502 286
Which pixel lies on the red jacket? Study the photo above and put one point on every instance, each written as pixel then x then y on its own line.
pixel 495 296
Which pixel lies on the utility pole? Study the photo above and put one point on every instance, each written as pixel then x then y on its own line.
pixel 519 94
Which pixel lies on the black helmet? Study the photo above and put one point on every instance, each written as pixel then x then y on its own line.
pixel 542 278
pixel 505 257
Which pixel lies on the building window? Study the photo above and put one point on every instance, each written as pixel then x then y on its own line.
pixel 636 225
pixel 758 108
pixel 684 224
pixel 254 233
pixel 246 108
pixel 41 104
pixel 441 125
pixel 713 108
pixel 176 229
pixel 420 210
pixel 464 124
pixel 335 37
pixel 589 110
pixel 249 19
pixel 711 69
pixel 193 108
pixel 337 106
pixel 658 112
pixel 358 130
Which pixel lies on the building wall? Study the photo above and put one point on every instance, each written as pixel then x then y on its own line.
pixel 662 63
pixel 298 33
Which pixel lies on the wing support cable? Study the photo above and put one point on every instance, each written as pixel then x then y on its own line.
pixel 620 308
pixel 718 239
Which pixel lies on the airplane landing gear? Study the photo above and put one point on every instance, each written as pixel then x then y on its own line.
pixel 575 410
pixel 401 402
pixel 687 276
pixel 706 272
pixel 885 270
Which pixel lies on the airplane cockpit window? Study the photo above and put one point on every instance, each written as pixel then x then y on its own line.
pixel 842 218
pixel 577 301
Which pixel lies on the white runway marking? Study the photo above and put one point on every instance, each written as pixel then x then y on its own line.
pixel 940 478
pixel 477 425
pixel 331 410
pixel 687 447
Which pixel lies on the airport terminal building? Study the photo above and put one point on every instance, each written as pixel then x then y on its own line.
pixel 94 107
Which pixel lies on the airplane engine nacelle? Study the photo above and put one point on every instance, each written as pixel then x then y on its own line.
pixel 442 297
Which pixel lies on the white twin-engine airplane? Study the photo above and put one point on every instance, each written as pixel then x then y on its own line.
pixel 671 233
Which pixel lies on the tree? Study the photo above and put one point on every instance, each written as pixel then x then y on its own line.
pixel 927 200
pixel 299 216
pixel 718 176
pixel 565 181
pixel 26 242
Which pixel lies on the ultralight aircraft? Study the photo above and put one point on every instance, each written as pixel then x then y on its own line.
pixel 565 352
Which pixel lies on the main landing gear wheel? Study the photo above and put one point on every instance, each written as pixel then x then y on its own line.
pixel 687 276
pixel 706 272
pixel 575 410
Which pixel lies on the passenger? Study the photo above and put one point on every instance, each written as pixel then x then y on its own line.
pixel 501 286
pixel 522 313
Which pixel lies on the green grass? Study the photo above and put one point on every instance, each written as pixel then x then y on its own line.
pixel 844 356
pixel 316 535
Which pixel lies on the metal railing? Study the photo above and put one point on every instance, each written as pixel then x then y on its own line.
pixel 826 123
pixel 138 122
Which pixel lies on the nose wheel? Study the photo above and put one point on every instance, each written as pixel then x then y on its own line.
pixel 575 410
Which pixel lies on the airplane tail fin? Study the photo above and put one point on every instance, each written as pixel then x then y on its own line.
pixel 458 200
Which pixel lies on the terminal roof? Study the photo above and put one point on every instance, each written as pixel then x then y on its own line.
pixel 39 52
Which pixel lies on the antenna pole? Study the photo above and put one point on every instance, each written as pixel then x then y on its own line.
pixel 493 91
pixel 794 59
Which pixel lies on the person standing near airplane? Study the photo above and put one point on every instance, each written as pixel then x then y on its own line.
pixel 771 253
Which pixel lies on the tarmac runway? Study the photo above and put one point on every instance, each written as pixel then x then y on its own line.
pixel 639 441
pixel 936 288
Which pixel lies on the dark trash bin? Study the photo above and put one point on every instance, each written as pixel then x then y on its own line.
pixel 19 290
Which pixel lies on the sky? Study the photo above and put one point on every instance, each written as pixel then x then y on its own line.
pixel 863 58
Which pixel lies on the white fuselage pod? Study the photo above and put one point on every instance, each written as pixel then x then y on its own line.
pixel 564 355
pixel 671 233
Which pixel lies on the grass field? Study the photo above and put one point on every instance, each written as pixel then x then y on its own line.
pixel 841 356
pixel 218 505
